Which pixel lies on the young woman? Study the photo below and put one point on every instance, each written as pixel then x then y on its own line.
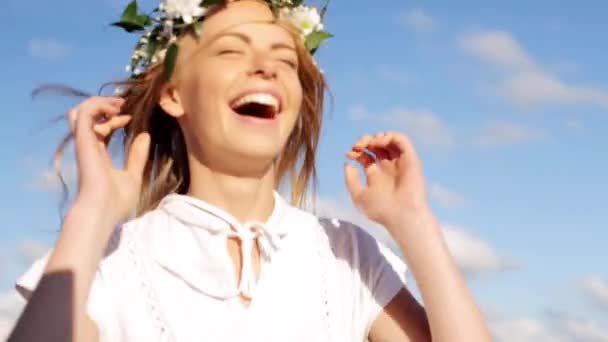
pixel 214 253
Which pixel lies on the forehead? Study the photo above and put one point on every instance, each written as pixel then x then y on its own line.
pixel 244 16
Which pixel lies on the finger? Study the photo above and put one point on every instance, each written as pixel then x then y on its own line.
pixel 353 181
pixel 138 156
pixel 86 140
pixel 105 129
pixel 112 100
pixel 72 115
pixel 404 147
pixel 380 152
pixel 388 148
pixel 362 143
pixel 363 158
pixel 393 151
pixel 87 116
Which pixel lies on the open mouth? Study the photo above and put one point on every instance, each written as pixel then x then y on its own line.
pixel 261 106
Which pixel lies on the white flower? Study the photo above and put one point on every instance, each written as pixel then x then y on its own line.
pixel 160 54
pixel 185 9
pixel 307 19
pixel 168 28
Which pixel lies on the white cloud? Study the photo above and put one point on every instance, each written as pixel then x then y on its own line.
pixel 397 75
pixel 522 330
pixel 473 255
pixel 423 126
pixel 525 81
pixel 537 87
pixel 548 328
pixel 30 251
pixel 574 125
pixel 10 308
pixel 47 48
pixel 497 133
pixel 497 48
pixel 445 197
pixel 596 289
pixel 418 20
pixel 49 181
pixel 580 330
pixel 359 112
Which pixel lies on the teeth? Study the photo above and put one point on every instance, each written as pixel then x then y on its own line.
pixel 261 98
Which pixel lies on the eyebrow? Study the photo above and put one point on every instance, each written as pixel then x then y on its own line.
pixel 245 38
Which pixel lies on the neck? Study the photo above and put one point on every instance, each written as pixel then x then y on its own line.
pixel 247 198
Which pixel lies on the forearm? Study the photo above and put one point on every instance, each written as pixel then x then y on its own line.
pixel 57 308
pixel 452 312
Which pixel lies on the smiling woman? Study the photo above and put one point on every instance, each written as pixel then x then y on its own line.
pixel 192 241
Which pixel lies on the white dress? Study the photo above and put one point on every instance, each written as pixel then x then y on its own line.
pixel 167 276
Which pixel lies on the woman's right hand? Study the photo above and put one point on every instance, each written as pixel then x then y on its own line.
pixel 115 191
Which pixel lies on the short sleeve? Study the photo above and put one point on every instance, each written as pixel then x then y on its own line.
pixel 377 274
pixel 99 307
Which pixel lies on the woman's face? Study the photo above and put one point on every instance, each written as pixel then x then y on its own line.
pixel 237 92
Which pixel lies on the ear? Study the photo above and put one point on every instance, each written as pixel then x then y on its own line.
pixel 170 101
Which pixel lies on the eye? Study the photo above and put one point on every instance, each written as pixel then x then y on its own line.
pixel 229 52
pixel 290 63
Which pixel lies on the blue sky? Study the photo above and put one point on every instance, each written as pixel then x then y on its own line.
pixel 507 103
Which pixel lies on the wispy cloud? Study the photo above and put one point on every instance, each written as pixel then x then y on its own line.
pixel 48 180
pixel 423 126
pixel 596 290
pixel 50 49
pixel 474 255
pixel 29 250
pixel 418 20
pixel 551 327
pixel 499 133
pixel 525 81
pixel 445 197
pixel 10 308
pixel 574 125
pixel 497 48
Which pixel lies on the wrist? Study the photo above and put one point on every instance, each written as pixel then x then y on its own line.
pixel 412 222
pixel 87 214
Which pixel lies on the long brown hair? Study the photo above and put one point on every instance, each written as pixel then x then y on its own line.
pixel 167 169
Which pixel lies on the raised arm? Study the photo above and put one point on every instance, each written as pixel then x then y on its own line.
pixel 56 310
pixel 395 197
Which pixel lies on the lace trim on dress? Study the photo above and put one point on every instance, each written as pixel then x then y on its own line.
pixel 148 291
pixel 324 248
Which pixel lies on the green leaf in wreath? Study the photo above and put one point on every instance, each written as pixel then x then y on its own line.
pixel 170 59
pixel 130 21
pixel 207 3
pixel 152 46
pixel 130 12
pixel 198 27
pixel 128 26
pixel 315 39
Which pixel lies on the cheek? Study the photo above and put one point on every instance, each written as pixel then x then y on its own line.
pixel 205 88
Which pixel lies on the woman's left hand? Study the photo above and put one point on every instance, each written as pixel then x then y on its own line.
pixel 395 187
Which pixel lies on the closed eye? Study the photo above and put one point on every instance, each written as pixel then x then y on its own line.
pixel 289 63
pixel 229 52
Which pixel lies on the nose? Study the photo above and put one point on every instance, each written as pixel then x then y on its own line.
pixel 263 67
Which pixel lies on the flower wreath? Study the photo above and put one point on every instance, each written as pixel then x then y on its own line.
pixel 172 18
